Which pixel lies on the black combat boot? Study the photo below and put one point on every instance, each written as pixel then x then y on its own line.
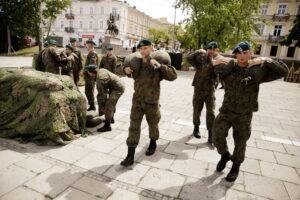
pixel 106 127
pixel 151 149
pixel 209 137
pixel 92 107
pixel 234 172
pixel 222 163
pixel 112 120
pixel 129 158
pixel 196 132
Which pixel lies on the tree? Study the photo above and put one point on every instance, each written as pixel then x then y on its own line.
pixel 227 22
pixel 294 34
pixel 158 36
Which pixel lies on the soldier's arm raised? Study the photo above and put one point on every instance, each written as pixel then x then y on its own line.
pixel 168 72
pixel 274 70
pixel 223 70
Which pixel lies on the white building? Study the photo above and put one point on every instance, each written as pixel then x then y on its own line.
pixel 87 19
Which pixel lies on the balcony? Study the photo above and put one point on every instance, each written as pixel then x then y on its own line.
pixel 281 17
pixel 69 29
pixel 275 39
pixel 70 16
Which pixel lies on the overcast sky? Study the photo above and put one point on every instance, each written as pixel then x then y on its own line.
pixel 158 8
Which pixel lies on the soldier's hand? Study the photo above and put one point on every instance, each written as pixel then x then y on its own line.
pixel 155 64
pixel 220 61
pixel 128 70
pixel 258 61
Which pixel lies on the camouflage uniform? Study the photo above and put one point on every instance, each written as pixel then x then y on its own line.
pixel 78 64
pixel 110 87
pixel 204 91
pixel 145 100
pixel 92 58
pixel 39 61
pixel 67 66
pixel 240 101
pixel 51 60
pixel 109 62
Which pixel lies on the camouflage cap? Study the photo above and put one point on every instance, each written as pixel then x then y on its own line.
pixel 242 46
pixel 91 68
pixel 144 42
pixel 212 45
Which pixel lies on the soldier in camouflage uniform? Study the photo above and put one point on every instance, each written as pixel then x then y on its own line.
pixel 110 88
pixel 51 59
pixel 204 82
pixel 92 59
pixel 145 99
pixel 242 78
pixel 67 66
pixel 109 61
pixel 78 60
pixel 39 61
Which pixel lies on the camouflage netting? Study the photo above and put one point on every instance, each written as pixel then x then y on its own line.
pixel 40 107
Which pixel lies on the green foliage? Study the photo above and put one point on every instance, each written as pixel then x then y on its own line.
pixel 159 37
pixel 227 22
pixel 294 34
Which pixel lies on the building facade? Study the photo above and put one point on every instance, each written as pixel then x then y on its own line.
pixel 279 16
pixel 87 19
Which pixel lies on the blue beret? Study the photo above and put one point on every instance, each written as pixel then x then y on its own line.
pixel 69 47
pixel 73 39
pixel 109 48
pixel 90 42
pixel 144 42
pixel 52 42
pixel 242 46
pixel 91 68
pixel 212 45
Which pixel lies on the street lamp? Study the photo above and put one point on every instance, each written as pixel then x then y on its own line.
pixel 174 27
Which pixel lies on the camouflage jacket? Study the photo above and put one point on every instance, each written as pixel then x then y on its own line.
pixel 107 82
pixel 39 61
pixel 67 64
pixel 92 58
pixel 242 84
pixel 147 81
pixel 109 63
pixel 51 60
pixel 78 59
pixel 205 77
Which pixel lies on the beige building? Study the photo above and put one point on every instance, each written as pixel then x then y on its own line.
pixel 87 19
pixel 280 14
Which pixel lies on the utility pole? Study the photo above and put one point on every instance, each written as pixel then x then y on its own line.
pixel 174 43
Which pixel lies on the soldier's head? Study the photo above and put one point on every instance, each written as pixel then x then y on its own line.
pixel 52 43
pixel 145 47
pixel 90 44
pixel 109 50
pixel 69 49
pixel 73 42
pixel 212 49
pixel 92 70
pixel 243 53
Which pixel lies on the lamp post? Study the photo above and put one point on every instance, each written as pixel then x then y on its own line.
pixel 174 43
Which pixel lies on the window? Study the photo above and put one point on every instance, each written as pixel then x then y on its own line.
pixel 61 24
pixel 114 11
pixel 261 28
pixel 91 25
pixel 281 9
pixel 277 30
pixel 91 10
pixel 291 52
pixel 101 25
pixel 264 9
pixel 81 11
pixel 102 11
pixel 273 51
pixel 80 25
pixel 258 50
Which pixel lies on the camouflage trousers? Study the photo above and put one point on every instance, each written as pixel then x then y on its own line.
pixel 201 97
pixel 241 124
pixel 89 88
pixel 138 110
pixel 110 105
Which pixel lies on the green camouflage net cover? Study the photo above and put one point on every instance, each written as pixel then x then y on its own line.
pixel 40 107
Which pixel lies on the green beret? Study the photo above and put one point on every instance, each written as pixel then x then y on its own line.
pixel 109 48
pixel 91 68
pixel 46 44
pixel 90 42
pixel 69 47
pixel 212 45
pixel 52 42
pixel 73 39
pixel 242 46
pixel 144 42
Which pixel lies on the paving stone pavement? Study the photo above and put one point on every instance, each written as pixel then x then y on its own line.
pixel 182 168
